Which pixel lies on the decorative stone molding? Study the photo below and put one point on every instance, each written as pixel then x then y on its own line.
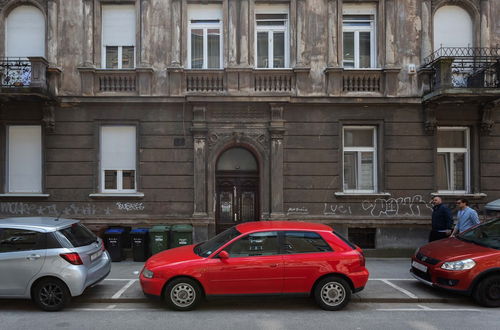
pixel 49 117
pixel 258 137
pixel 430 123
pixel 487 115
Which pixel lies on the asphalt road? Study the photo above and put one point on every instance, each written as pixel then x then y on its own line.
pixel 252 314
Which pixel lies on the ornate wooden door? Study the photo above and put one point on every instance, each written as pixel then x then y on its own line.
pixel 237 199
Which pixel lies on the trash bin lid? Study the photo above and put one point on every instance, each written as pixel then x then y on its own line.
pixel 159 229
pixel 182 228
pixel 493 206
pixel 139 231
pixel 114 231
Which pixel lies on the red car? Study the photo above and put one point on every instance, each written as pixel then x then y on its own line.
pixel 265 257
pixel 468 263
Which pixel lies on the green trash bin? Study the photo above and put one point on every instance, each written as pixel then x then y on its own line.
pixel 181 235
pixel 158 238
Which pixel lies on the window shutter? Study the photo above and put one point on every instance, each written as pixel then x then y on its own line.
pixel 118 147
pixel 452 28
pixel 118 25
pixel 25 32
pixel 25 159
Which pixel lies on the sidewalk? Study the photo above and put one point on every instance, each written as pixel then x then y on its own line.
pixel 389 282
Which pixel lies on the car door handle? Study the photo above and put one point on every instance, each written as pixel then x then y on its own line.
pixel 33 257
pixel 273 265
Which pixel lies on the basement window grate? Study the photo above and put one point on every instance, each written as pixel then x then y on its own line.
pixel 362 237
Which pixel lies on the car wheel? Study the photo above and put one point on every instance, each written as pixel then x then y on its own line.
pixel 332 293
pixel 487 292
pixel 51 294
pixel 183 294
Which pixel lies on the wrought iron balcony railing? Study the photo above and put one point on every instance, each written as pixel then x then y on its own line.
pixel 15 72
pixel 463 67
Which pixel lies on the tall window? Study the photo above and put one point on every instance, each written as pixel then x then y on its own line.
pixel 359 156
pixel 271 41
pixel 453 159
pixel 118 159
pixel 452 28
pixel 24 159
pixel 118 36
pixel 359 38
pixel 205 37
pixel 25 32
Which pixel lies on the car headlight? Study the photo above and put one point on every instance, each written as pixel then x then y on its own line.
pixel 459 265
pixel 147 273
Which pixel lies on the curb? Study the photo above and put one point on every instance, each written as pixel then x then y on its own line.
pixel 353 299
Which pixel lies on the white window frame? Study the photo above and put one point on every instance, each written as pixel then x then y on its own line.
pixel 453 151
pixel 206 13
pixel 361 10
pixel 104 45
pixel 119 176
pixel 273 9
pixel 38 172
pixel 359 150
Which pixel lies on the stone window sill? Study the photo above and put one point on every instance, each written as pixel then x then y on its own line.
pixel 459 194
pixel 362 195
pixel 31 195
pixel 136 195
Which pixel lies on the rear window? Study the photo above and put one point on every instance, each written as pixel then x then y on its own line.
pixel 346 241
pixel 78 235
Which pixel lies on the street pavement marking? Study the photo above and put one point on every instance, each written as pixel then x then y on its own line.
pixel 111 307
pixel 406 292
pixel 392 279
pixel 428 309
pixel 122 290
pixel 121 279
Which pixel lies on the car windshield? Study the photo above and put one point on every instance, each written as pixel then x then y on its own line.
pixel 207 248
pixel 487 234
pixel 78 235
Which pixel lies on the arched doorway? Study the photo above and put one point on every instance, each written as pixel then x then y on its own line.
pixel 237 188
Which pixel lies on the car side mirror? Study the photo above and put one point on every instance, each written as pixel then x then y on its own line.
pixel 224 255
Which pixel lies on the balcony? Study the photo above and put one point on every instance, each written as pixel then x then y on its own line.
pixel 110 82
pixel 232 82
pixel 462 72
pixel 362 82
pixel 24 77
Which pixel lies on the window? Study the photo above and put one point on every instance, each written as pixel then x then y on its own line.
pixel 452 28
pixel 118 159
pixel 271 40
pixel 453 159
pixel 24 159
pixel 305 242
pixel 257 244
pixel 25 32
pixel 118 36
pixel 12 240
pixel 359 156
pixel 359 40
pixel 205 37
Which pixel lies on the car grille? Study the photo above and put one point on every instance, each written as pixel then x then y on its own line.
pixel 421 274
pixel 427 259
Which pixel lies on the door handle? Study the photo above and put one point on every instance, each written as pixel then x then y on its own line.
pixel 273 265
pixel 33 257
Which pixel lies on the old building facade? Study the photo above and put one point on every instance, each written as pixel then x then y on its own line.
pixel 350 113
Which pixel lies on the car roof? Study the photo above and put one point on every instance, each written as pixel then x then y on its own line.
pixel 281 225
pixel 42 224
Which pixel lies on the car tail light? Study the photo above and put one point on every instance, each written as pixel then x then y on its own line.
pixel 103 248
pixel 362 260
pixel 72 258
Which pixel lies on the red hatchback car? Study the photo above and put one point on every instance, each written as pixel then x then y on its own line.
pixel 259 258
pixel 468 263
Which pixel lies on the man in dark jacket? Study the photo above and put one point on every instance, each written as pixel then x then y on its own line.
pixel 441 220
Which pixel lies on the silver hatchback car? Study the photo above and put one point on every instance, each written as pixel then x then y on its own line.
pixel 49 260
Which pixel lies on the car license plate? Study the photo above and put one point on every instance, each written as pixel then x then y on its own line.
pixel 95 255
pixel 418 266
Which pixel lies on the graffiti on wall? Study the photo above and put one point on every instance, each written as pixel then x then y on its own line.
pixel 392 207
pixel 69 210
